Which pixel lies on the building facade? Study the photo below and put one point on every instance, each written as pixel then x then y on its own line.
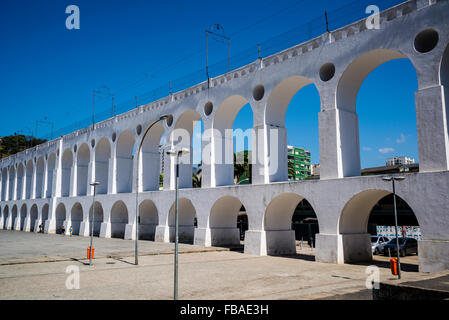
pixel 299 166
pixel 399 161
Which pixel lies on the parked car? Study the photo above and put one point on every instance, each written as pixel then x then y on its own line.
pixel 377 244
pixel 406 246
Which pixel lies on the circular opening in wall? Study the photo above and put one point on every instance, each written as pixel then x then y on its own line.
pixel 139 129
pixel 114 136
pixel 426 40
pixel 258 92
pixel 92 143
pixel 74 148
pixel 327 71
pixel 208 107
pixel 169 120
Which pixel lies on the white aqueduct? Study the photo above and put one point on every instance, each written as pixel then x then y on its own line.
pixel 50 183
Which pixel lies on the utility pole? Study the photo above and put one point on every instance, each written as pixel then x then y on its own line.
pixel 217 38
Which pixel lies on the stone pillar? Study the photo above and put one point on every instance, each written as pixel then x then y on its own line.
pixel 339 144
pixel 112 179
pixel 433 255
pixel 433 141
pixel 33 182
pixel 343 248
pixel 91 175
pixel 130 232
pixel 73 191
pixel 223 158
pixel 24 185
pixel 207 155
pixel 105 231
pixel 162 234
pixel 276 151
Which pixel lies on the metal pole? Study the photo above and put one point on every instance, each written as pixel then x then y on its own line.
pixel 207 64
pixel 176 230
pixel 396 230
pixel 327 24
pixel 136 258
pixel 92 226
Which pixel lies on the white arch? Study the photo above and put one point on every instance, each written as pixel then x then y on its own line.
pixel 150 159
pixel 124 158
pixel 20 177
pixel 82 163
pixel 76 217
pixel 98 218
pixel 60 217
pixel 102 156
pixel 40 168
pixel 34 216
pixel 29 178
pixel 119 219
pixel 23 214
pixel 186 216
pixel 66 172
pixel 51 165
pixel 149 219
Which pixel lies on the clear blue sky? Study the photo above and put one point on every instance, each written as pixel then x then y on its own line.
pixel 50 71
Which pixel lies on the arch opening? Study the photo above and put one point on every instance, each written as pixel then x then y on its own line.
pixel 102 156
pixel 288 217
pixel 5 217
pixel 292 110
pixel 150 159
pixel 378 82
pixel 148 220
pixel 23 214
pixel 76 217
pixel 34 215
pixel 12 173
pixel 188 124
pixel 20 177
pixel 15 219
pixel 44 215
pixel 40 167
pixel 66 171
pixel 227 222
pixel 4 183
pixel 82 170
pixel 186 222
pixel 124 155
pixel 119 219
pixel 60 217
pixel 98 218
pixel 369 216
pixel 28 179
pixel 51 163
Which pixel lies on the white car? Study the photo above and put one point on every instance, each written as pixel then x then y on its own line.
pixel 377 244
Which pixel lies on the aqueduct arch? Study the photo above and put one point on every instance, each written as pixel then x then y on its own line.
pixel 150 158
pixel 186 214
pixel 76 217
pixel 98 218
pixel 119 219
pixel 82 164
pixel 149 219
pixel 102 156
pixel 124 156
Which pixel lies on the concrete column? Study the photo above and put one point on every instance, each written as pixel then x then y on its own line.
pixel 85 229
pixel 27 222
pixel 276 153
pixel 216 236
pixel 112 179
pixel 91 176
pixel 130 232
pixel 343 248
pixel 45 179
pixel 105 231
pixel 74 177
pixel 169 173
pixel 433 255
pixel 7 185
pixel 14 186
pixel 24 185
pixel 339 144
pixel 432 127
pixel 162 234
pixel 33 182
pixel 207 155
pixel 223 159
pixel 1 221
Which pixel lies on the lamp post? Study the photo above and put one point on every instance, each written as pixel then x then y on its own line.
pixel 392 179
pixel 176 154
pixel 93 184
pixel 136 258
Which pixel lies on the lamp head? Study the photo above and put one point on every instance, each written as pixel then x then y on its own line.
pixel 96 183
pixel 388 178
pixel 399 178
pixel 164 117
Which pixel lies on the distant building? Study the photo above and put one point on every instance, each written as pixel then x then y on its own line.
pixel 397 161
pixel 299 166
pixel 315 169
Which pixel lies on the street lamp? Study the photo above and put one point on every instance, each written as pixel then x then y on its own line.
pixel 93 184
pixel 177 154
pixel 392 179
pixel 137 186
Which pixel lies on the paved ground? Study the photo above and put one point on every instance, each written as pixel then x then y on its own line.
pixel 203 275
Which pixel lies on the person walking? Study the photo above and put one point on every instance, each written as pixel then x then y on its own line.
pixel 71 230
pixel 63 230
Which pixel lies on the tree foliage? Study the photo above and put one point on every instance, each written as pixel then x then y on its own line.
pixel 13 144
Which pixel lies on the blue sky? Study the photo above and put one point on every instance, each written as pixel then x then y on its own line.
pixel 132 47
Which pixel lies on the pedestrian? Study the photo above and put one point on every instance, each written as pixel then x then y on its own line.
pixel 63 230
pixel 40 228
pixel 71 230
